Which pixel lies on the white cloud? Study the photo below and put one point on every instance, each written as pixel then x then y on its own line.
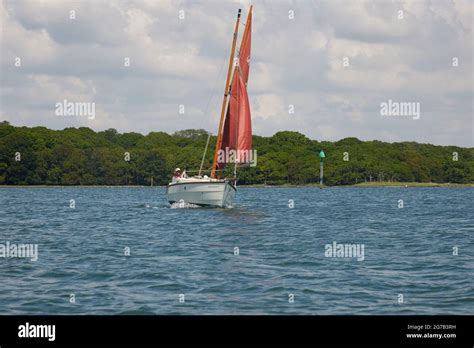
pixel 295 62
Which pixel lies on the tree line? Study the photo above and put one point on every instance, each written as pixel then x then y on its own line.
pixel 80 156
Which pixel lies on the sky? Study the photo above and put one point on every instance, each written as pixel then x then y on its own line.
pixel 322 68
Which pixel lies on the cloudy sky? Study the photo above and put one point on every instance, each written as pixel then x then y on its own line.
pixel 417 51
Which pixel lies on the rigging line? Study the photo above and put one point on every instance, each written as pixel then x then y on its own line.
pixel 206 111
pixel 214 87
pixel 204 154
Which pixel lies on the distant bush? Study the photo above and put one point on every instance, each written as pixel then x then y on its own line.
pixel 80 156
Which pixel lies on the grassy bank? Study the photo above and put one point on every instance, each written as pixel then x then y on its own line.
pixel 410 184
pixel 373 184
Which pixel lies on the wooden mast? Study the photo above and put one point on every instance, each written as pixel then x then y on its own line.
pixel 226 94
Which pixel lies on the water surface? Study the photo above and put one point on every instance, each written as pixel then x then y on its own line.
pixel 191 251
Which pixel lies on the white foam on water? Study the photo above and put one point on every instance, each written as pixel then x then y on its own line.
pixel 183 205
pixel 149 206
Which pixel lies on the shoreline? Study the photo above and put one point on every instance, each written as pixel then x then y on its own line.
pixel 361 185
pixel 371 185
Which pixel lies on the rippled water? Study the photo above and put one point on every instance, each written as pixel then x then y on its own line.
pixel 190 251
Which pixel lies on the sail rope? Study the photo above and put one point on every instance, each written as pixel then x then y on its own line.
pixel 204 154
pixel 207 110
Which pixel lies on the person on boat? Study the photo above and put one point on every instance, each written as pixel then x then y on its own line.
pixel 176 175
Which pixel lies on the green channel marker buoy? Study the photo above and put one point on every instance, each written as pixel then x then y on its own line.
pixel 322 155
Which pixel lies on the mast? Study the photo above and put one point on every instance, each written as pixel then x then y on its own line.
pixel 226 94
pixel 236 133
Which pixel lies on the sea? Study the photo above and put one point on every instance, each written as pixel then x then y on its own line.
pixel 279 251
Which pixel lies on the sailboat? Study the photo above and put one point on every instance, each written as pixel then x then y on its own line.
pixel 234 136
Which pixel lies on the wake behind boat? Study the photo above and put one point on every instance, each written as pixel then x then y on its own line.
pixel 234 136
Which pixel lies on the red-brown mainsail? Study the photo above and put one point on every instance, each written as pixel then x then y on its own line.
pixel 237 132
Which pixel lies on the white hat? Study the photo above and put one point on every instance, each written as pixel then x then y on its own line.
pixel 177 170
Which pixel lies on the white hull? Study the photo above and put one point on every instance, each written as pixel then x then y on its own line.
pixel 210 192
